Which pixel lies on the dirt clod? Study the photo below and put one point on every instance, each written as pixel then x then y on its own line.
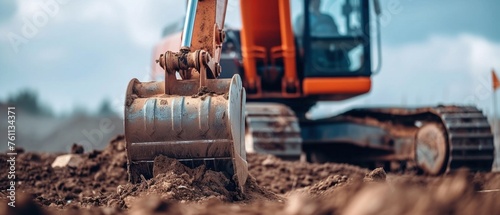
pixel 77 149
pixel 377 175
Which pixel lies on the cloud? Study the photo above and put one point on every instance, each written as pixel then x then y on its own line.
pixel 140 19
pixel 446 54
pixel 7 10
pixel 100 11
pixel 442 68
pixel 87 51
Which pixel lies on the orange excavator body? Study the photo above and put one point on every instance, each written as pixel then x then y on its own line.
pixel 325 55
pixel 267 39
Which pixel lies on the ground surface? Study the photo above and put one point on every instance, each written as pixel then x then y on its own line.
pixel 99 185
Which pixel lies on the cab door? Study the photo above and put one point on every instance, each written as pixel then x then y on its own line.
pixel 334 42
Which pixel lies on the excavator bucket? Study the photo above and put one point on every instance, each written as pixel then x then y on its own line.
pixel 191 116
pixel 195 125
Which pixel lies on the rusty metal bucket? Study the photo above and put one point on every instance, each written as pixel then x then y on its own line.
pixel 195 125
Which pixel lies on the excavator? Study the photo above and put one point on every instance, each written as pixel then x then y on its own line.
pixel 225 93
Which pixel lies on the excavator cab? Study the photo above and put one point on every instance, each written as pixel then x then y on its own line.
pixel 313 49
pixel 333 38
pixel 334 45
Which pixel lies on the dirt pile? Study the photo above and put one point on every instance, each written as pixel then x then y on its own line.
pixel 85 185
pixel 175 181
pixel 284 176
pixel 452 194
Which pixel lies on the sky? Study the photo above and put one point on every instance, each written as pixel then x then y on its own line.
pixel 77 53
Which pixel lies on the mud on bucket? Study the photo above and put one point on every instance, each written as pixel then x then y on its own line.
pixel 197 126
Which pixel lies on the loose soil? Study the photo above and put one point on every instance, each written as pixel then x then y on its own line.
pixel 99 186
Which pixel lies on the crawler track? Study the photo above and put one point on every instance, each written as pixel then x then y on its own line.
pixel 470 139
pixel 467 133
pixel 272 129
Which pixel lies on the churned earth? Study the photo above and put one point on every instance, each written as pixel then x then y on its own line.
pixel 96 183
